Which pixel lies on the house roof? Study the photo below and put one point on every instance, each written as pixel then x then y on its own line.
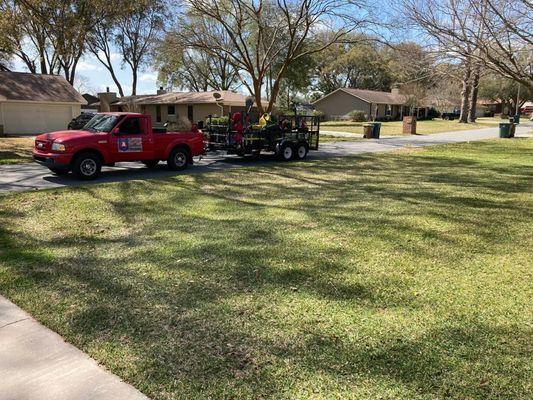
pixel 228 98
pixel 370 96
pixel 23 86
pixel 89 98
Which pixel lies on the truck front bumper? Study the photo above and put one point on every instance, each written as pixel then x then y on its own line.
pixel 52 160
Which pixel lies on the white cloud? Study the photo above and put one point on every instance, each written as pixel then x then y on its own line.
pixel 87 66
pixel 114 56
pixel 148 77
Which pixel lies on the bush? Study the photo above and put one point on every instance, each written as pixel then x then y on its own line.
pixel 218 120
pixel 357 116
pixel 433 113
pixel 320 114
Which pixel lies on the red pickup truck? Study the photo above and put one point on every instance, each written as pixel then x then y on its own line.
pixel 114 137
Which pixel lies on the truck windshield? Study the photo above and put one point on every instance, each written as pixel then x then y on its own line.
pixel 101 123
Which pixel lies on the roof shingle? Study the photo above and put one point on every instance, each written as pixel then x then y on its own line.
pixel 23 86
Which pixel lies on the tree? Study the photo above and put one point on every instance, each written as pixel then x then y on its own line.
pixel 134 28
pixel 192 69
pixel 138 29
pixel 450 25
pixel 506 91
pixel 262 33
pixel 359 63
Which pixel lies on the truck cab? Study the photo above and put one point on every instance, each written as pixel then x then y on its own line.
pixel 114 137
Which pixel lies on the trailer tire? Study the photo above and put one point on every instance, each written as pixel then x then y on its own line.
pixel 178 159
pixel 285 151
pixel 301 150
pixel 87 165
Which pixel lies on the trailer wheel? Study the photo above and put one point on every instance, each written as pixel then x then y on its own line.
pixel 178 159
pixel 285 152
pixel 301 150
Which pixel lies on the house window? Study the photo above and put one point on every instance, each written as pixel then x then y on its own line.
pixel 171 110
pixel 190 113
pixel 158 113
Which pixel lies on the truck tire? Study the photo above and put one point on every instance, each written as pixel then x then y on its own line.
pixel 301 150
pixel 151 163
pixel 178 159
pixel 285 151
pixel 59 171
pixel 87 166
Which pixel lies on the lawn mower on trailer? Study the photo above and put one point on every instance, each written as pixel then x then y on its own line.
pixel 288 136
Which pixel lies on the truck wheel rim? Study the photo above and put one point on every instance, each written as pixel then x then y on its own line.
pixel 88 167
pixel 301 151
pixel 180 159
pixel 287 153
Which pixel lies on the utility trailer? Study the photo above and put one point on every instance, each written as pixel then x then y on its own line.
pixel 290 138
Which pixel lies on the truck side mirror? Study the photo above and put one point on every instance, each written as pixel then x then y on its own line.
pixel 115 131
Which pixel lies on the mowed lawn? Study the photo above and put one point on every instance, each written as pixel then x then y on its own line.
pixel 14 150
pixel 404 275
pixel 394 128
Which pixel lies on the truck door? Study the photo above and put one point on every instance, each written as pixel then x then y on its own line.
pixel 133 140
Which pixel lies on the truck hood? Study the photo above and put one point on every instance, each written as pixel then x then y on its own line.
pixel 63 136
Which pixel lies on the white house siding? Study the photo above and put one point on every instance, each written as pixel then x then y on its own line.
pixel 20 117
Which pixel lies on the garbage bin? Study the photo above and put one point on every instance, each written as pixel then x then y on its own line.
pixel 516 119
pixel 376 129
pixel 368 130
pixel 505 129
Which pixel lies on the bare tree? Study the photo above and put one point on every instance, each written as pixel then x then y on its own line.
pixel 137 31
pixel 263 32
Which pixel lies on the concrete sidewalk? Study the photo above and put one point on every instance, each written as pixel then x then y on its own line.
pixel 37 364
pixel 31 176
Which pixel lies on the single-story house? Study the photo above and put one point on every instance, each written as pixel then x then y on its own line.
pixel 35 103
pixel 92 103
pixel 163 106
pixel 376 105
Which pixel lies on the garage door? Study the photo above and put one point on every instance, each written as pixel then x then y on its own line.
pixel 35 118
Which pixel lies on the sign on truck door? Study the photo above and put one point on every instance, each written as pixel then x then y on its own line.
pixel 132 140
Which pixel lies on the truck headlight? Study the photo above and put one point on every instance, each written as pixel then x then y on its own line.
pixel 58 147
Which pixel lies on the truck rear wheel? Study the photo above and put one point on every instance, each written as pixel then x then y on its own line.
pixel 87 166
pixel 178 159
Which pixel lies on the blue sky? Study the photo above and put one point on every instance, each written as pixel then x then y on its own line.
pixel 93 77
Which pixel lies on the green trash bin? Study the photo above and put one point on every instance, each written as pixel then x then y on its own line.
pixel 505 129
pixel 516 119
pixel 376 129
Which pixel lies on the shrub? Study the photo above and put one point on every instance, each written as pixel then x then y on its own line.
pixel 357 116
pixel 320 114
pixel 218 120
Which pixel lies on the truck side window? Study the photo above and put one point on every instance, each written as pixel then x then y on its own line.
pixel 132 126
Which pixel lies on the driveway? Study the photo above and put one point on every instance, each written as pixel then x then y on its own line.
pixel 31 176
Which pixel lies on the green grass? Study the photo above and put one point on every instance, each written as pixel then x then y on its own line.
pixel 332 139
pixel 394 276
pixel 15 150
pixel 394 128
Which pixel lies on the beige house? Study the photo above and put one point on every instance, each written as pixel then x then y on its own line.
pixel 376 105
pixel 34 103
pixel 169 107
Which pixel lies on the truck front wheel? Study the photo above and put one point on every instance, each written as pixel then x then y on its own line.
pixel 178 159
pixel 87 166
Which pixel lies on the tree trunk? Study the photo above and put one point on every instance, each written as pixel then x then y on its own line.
pixel 134 82
pixel 473 99
pixel 465 93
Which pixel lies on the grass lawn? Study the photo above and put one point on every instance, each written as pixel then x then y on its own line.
pixel 423 127
pixel 15 150
pixel 404 275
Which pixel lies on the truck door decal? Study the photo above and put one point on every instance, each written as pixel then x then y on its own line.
pixel 130 145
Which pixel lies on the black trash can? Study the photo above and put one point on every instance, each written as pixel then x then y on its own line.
pixel 516 119
pixel 376 130
pixel 505 129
